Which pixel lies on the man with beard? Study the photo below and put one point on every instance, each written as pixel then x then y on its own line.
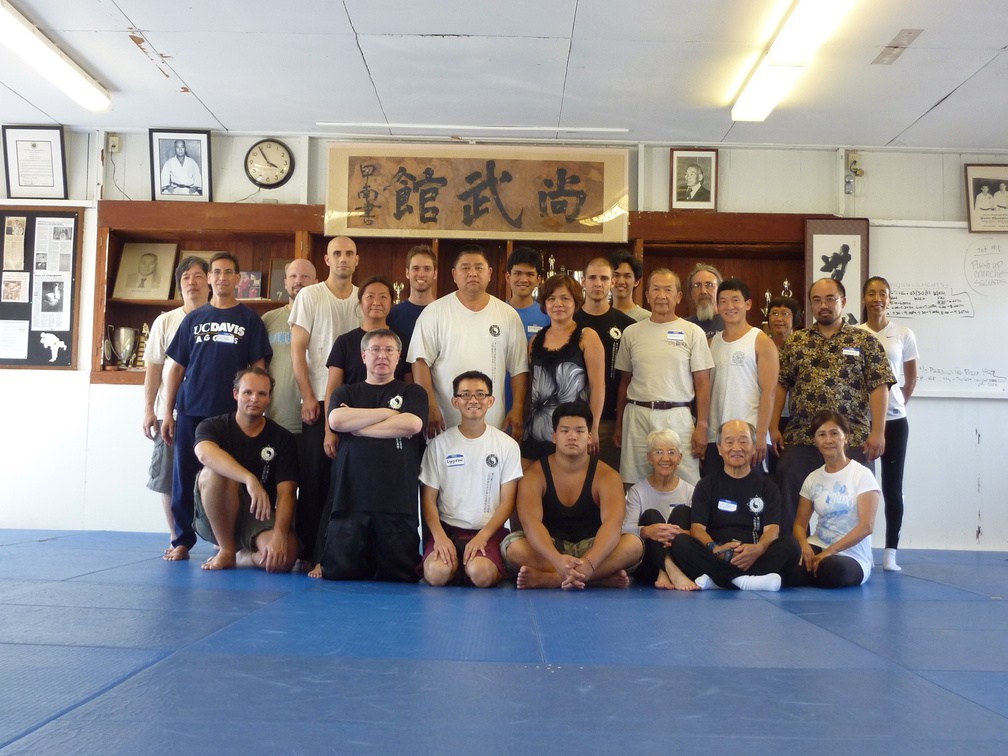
pixel 702 286
pixel 829 365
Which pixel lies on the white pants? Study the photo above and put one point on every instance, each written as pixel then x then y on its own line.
pixel 637 423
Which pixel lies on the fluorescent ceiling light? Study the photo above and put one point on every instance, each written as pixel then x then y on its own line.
pixel 21 36
pixel 808 24
pixel 462 127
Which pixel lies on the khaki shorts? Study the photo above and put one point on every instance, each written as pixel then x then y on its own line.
pixel 576 549
pixel 247 527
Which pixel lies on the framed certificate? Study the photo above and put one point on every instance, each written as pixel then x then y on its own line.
pixel 36 162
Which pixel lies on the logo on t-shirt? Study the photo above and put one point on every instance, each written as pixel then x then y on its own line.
pixel 396 402
pixel 491 460
pixel 755 505
pixel 495 330
pixel 615 333
pixel 267 454
pixel 738 358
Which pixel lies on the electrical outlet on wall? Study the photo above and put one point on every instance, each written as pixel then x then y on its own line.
pixel 113 143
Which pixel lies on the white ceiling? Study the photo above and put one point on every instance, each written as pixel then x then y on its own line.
pixel 666 70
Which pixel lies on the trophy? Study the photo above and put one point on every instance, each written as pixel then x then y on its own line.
pixel 123 341
pixel 142 347
pixel 766 310
pixel 551 270
pixel 786 291
pixel 398 288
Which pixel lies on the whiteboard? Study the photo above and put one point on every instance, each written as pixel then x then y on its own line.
pixel 950 287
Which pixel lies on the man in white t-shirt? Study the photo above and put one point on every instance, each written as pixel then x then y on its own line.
pixel 665 364
pixel 470 477
pixel 191 282
pixel 321 313
pixel 470 330
pixel 745 374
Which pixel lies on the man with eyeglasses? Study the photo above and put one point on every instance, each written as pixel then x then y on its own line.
pixel 828 366
pixel 212 344
pixel 371 529
pixel 702 287
pixel 470 476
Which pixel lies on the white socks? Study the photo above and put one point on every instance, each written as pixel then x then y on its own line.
pixel 771 582
pixel 889 561
pixel 704 583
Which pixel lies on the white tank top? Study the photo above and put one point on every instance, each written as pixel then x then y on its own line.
pixel 735 391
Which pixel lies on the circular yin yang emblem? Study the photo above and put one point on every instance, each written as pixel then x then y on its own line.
pixel 267 454
pixel 756 505
pixel 495 330
pixel 615 333
pixel 395 402
pixel 491 460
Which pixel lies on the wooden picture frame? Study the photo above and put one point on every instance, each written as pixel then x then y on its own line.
pixel 836 248
pixel 986 198
pixel 145 271
pixel 685 165
pixel 184 178
pixel 277 274
pixel 35 157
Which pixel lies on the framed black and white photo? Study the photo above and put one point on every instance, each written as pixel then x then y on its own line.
pixel 836 248
pixel 987 198
pixel 180 165
pixel 36 162
pixel 694 182
pixel 277 275
pixel 146 270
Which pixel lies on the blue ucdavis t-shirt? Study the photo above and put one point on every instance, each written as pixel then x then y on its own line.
pixel 213 344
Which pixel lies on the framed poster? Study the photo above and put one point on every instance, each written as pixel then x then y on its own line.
pixel 36 162
pixel 180 165
pixel 836 248
pixel 987 198
pixel 694 176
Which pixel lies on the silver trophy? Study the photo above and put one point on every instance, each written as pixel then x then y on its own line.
pixel 123 340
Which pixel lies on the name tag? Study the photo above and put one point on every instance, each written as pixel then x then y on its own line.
pixel 534 328
pixel 727 505
pixel 454 460
pixel 676 336
pixel 851 352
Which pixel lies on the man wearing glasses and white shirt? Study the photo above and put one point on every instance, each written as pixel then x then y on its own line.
pixel 828 366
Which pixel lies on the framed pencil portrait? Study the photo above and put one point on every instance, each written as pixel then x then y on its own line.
pixel 694 179
pixel 36 162
pixel 180 165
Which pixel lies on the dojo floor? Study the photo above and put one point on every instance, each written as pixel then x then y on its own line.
pixel 107 649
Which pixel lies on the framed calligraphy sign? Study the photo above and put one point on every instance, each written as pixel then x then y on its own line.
pixel 481 191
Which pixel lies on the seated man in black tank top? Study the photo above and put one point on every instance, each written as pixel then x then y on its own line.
pixel 571 508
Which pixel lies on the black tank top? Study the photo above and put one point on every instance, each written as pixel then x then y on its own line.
pixel 577 522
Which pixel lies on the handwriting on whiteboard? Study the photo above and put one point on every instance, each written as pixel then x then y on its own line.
pixel 986 267
pixel 935 299
pixel 974 378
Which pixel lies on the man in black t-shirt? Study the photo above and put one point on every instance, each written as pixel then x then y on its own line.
pixel 246 492
pixel 734 540
pixel 371 531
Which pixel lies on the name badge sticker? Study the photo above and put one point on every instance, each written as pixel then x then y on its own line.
pixel 533 329
pixel 676 336
pixel 851 352
pixel 727 505
pixel 455 460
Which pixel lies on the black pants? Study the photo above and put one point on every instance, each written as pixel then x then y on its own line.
pixel 835 571
pixel 313 490
pixel 371 546
pixel 654 552
pixel 891 472
pixel 694 559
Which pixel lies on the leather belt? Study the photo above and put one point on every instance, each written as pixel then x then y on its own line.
pixel 659 405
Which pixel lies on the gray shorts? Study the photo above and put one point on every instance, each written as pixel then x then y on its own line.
pixel 575 549
pixel 247 527
pixel 162 458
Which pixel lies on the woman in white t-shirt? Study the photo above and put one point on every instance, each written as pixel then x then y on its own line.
pixel 657 509
pixel 844 496
pixel 901 349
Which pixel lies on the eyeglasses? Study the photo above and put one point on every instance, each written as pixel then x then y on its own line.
pixel 704 285
pixel 663 452
pixel 830 300
pixel 388 351
pixel 467 395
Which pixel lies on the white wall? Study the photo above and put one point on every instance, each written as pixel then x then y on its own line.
pixel 75 457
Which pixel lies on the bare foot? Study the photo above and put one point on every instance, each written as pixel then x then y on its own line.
pixel 677 577
pixel 246 558
pixel 222 560
pixel 530 578
pixel 316 571
pixel 176 554
pixel 616 580
pixel 663 581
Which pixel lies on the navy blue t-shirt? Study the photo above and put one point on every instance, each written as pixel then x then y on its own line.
pixel 213 344
pixel 402 319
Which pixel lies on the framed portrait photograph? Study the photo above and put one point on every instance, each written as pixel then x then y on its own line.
pixel 836 248
pixel 250 285
pixel 36 162
pixel 987 198
pixel 145 271
pixel 694 175
pixel 180 165
pixel 277 292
